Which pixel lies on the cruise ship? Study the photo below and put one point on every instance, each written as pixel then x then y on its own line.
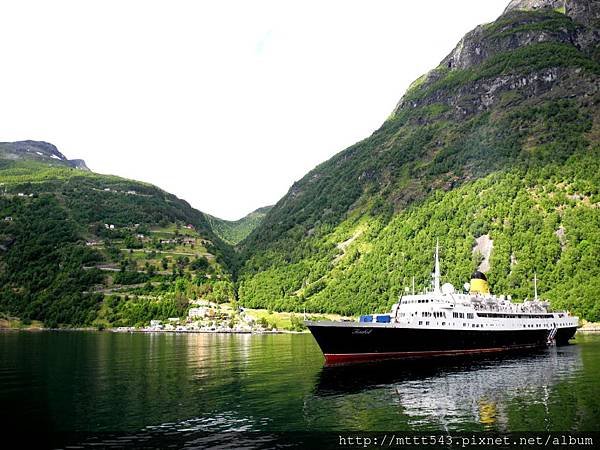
pixel 444 322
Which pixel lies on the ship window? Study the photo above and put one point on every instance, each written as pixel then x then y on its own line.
pixel 443 323
pixel 420 322
pixel 427 323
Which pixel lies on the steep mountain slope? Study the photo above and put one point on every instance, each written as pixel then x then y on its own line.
pixel 501 139
pixel 235 231
pixel 38 151
pixel 80 248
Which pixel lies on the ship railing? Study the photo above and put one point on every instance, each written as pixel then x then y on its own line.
pixel 552 335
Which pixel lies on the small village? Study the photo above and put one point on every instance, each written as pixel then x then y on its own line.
pixel 210 317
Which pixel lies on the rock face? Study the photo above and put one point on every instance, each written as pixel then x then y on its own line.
pixel 79 164
pixel 586 12
pixel 516 96
pixel 524 24
pixel 530 5
pixel 38 150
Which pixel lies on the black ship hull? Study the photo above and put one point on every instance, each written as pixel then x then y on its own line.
pixel 347 342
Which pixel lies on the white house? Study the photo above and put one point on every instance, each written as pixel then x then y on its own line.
pixel 198 313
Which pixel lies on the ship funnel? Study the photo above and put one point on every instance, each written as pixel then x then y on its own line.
pixel 479 283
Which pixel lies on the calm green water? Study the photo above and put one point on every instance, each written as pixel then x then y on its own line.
pixel 185 387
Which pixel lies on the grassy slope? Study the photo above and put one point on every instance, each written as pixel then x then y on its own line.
pixel 45 263
pixel 348 237
pixel 235 231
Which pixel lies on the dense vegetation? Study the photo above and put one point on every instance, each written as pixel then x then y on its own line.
pixel 502 139
pixel 79 248
pixel 522 210
pixel 235 231
pixel 41 275
pixel 452 163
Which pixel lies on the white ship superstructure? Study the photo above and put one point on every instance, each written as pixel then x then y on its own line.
pixel 444 308
pixel 444 322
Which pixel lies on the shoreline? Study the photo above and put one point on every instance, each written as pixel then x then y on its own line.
pixel 143 330
pixel 581 330
pixel 589 330
pixel 14 325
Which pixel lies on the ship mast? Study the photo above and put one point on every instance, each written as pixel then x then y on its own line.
pixel 436 274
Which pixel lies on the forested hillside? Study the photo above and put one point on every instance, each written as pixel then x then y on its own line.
pixel 80 248
pixel 498 144
pixel 235 231
pixel 501 139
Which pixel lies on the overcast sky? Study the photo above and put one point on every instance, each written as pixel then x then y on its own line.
pixel 223 103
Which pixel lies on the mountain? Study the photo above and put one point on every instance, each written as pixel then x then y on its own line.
pixel 235 231
pixel 38 151
pixel 495 152
pixel 80 248
pixel 499 143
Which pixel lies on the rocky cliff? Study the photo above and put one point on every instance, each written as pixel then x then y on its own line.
pixel 531 49
pixel 501 139
pixel 38 151
pixel 586 12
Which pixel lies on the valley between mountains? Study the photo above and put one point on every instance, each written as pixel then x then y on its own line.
pixel 495 152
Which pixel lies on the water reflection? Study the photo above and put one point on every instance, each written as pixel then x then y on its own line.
pixel 444 394
pixel 199 390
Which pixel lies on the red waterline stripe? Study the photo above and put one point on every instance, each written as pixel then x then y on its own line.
pixel 337 358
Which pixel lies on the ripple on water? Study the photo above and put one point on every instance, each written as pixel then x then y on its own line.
pixel 200 390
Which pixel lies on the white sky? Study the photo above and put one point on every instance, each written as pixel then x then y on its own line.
pixel 223 103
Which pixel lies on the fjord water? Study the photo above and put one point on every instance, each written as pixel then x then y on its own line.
pixel 186 389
